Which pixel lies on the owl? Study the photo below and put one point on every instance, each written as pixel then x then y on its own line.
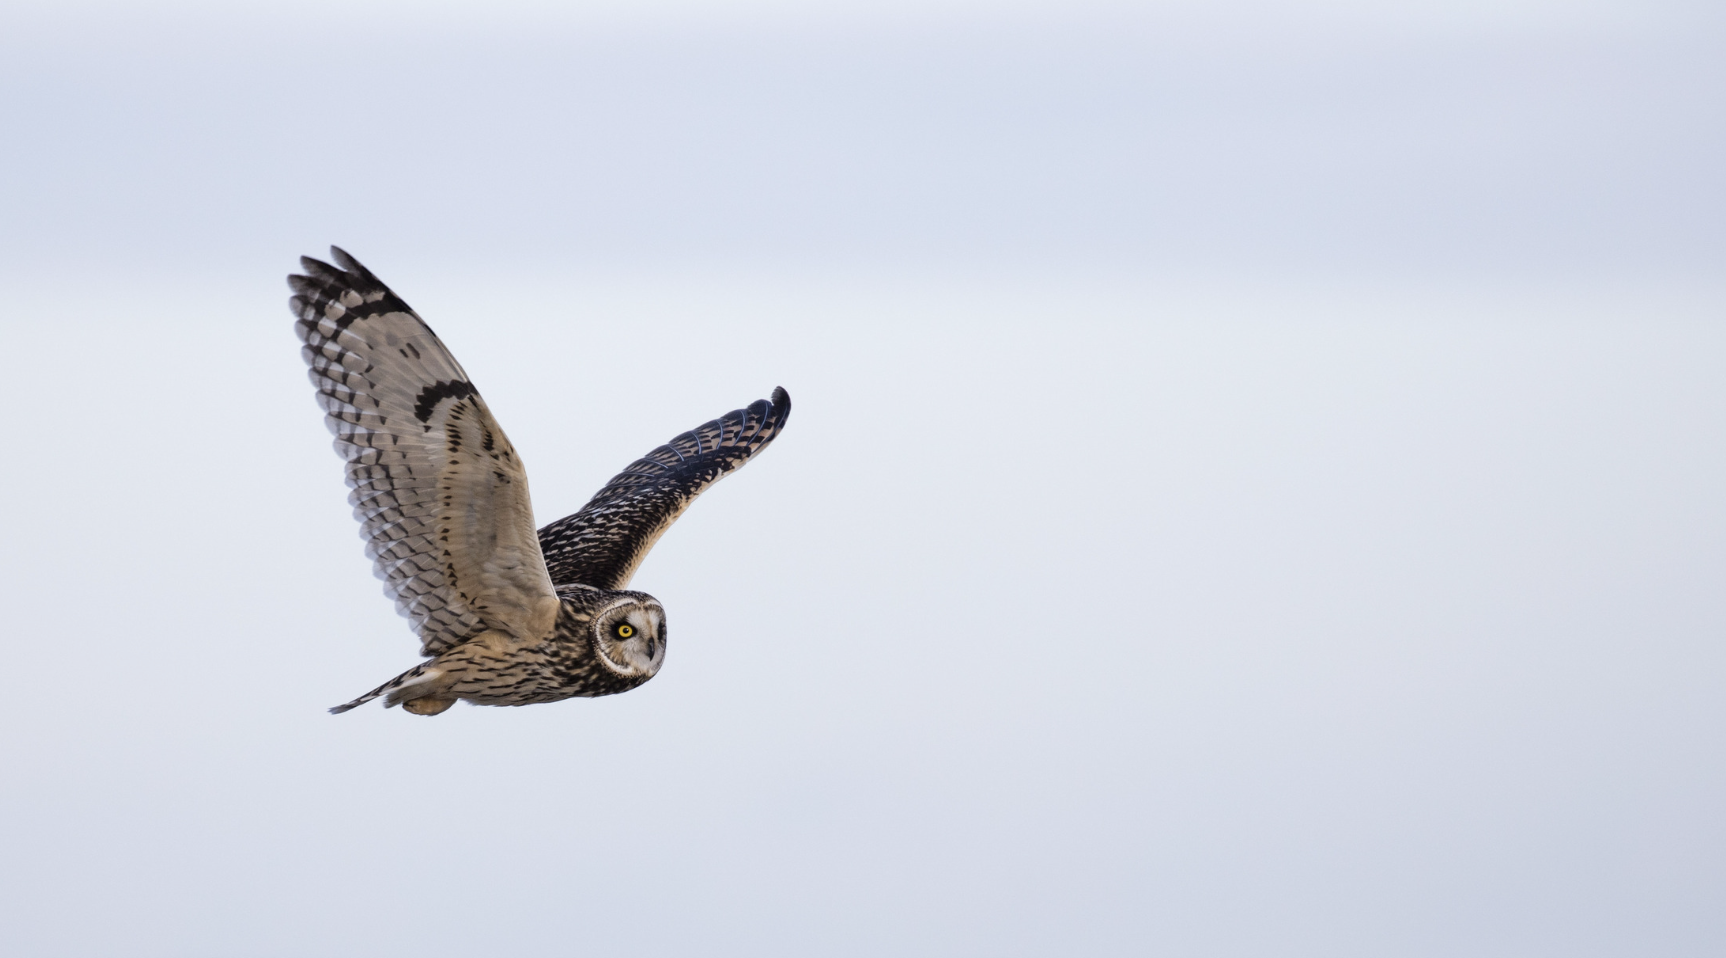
pixel 504 616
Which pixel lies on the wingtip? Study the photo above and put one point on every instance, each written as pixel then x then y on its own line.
pixel 354 266
pixel 782 402
pixel 346 273
pixel 344 265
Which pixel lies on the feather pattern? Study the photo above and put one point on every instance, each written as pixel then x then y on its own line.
pixel 440 493
pixel 443 505
pixel 603 544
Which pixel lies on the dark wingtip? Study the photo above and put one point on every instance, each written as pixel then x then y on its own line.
pixel 781 403
pixel 341 708
pixel 345 268
pixel 317 267
pixel 347 274
pixel 355 267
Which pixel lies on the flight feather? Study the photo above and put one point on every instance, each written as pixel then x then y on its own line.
pixel 603 544
pixel 440 493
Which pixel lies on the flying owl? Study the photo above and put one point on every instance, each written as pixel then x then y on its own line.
pixel 505 616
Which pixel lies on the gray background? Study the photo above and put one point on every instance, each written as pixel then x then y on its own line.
pixel 1255 486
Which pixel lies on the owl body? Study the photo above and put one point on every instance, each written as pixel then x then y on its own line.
pixel 582 656
pixel 505 615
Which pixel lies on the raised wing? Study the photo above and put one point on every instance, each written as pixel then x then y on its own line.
pixel 439 492
pixel 604 543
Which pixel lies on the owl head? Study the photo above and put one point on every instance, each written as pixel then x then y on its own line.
pixel 629 634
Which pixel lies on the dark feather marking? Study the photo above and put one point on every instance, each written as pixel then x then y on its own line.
pixel 426 402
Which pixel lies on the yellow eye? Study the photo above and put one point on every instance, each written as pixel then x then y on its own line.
pixel 625 630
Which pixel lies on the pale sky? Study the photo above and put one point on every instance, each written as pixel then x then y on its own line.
pixel 1254 488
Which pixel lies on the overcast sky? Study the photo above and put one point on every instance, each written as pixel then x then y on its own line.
pixel 1345 138
pixel 1254 489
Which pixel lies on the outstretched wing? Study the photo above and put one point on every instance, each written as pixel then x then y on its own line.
pixel 439 492
pixel 604 543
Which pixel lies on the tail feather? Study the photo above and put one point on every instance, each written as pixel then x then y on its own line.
pixel 356 703
pixel 396 688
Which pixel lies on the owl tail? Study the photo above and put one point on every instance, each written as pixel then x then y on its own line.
pixel 409 685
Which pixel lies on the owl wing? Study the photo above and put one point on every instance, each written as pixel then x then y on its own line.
pixel 604 543
pixel 440 494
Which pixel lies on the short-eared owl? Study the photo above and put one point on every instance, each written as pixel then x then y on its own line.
pixel 505 616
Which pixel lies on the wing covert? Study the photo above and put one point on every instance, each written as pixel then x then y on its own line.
pixel 603 544
pixel 440 493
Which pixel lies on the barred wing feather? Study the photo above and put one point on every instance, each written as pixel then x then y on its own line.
pixel 604 543
pixel 440 493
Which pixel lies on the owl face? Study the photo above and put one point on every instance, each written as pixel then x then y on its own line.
pixel 629 635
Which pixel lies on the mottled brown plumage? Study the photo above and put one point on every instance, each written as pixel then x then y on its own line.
pixel 507 616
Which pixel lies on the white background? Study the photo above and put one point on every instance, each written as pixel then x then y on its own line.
pixel 1255 484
